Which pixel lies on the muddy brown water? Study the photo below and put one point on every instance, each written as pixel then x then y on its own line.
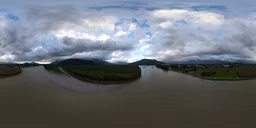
pixel 159 99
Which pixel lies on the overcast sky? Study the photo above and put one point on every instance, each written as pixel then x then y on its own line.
pixel 46 30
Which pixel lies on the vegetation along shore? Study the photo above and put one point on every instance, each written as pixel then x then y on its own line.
pixel 103 74
pixel 215 71
pixel 9 71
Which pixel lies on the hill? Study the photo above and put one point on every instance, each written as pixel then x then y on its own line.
pixel 7 63
pixel 34 63
pixel 80 62
pixel 121 63
pixel 29 64
pixel 147 62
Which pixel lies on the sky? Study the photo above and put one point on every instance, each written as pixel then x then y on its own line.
pixel 127 31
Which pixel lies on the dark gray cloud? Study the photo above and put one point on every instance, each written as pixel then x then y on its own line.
pixel 114 31
pixel 48 18
pixel 21 39
pixel 236 42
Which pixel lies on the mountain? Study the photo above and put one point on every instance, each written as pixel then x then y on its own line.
pixel 211 62
pixel 80 62
pixel 7 63
pixel 56 62
pixel 121 63
pixel 34 63
pixel 147 62
pixel 101 62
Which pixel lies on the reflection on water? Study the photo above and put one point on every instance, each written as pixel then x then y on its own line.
pixel 74 84
pixel 38 98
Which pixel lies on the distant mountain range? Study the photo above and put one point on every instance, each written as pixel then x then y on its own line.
pixel 7 63
pixel 101 62
pixel 73 61
pixel 143 62
pixel 30 63
pixel 80 62
pixel 147 62
pixel 121 63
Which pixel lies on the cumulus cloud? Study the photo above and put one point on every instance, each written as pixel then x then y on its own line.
pixel 203 35
pixel 117 33
pixel 58 31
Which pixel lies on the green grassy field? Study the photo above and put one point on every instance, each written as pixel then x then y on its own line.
pixel 214 75
pixel 241 72
pixel 102 73
pixel 224 75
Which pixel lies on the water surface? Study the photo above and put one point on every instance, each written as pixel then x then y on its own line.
pixel 38 98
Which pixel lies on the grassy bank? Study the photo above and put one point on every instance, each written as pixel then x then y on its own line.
pixel 9 71
pixel 52 68
pixel 164 67
pixel 242 72
pixel 105 74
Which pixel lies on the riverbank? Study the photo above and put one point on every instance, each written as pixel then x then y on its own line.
pixel 10 72
pixel 163 67
pixel 198 75
pixel 52 68
pixel 101 74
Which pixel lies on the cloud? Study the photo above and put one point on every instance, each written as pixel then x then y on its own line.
pixel 227 38
pixel 209 8
pixel 117 33
pixel 50 32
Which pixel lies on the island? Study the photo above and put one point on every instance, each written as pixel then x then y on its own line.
pixel 95 71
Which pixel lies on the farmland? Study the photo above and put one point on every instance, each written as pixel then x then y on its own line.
pixel 218 72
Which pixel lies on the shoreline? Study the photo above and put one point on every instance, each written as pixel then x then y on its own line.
pixel 96 81
pixel 101 82
pixel 215 79
pixel 12 75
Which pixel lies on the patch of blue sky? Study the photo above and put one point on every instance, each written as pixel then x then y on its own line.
pixel 143 24
pixel 198 28
pixel 12 17
pixel 120 22
pixel 181 22
pixel 131 36
pixel 219 34
pixel 134 20
pixel 133 7
pixel 116 7
pixel 152 8
pixel 134 3
pixel 149 34
pixel 209 7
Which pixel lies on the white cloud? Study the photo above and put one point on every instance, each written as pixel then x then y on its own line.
pixel 165 24
pixel 132 27
pixel 6 57
pixel 120 33
pixel 102 22
pixel 81 35
pixel 44 33
pixel 167 14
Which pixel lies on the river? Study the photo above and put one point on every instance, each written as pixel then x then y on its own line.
pixel 37 98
